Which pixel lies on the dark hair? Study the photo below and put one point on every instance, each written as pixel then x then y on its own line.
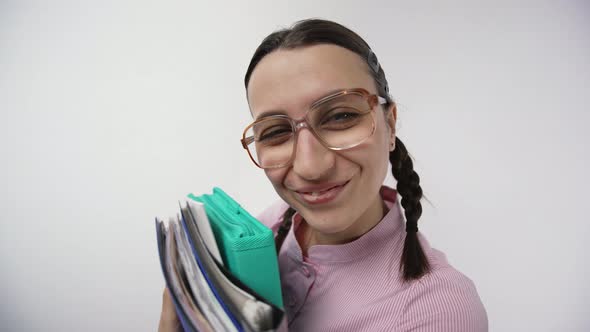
pixel 414 263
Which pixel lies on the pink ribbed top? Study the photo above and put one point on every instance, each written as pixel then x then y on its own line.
pixel 357 286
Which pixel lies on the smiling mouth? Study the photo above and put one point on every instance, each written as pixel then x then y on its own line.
pixel 322 196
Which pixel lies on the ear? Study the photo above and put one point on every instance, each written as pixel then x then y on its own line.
pixel 391 119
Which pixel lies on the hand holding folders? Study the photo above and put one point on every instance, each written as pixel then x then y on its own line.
pixel 220 266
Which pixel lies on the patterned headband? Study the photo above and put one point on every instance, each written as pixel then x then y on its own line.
pixel 375 66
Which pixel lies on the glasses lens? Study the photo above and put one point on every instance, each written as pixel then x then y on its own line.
pixel 343 122
pixel 271 142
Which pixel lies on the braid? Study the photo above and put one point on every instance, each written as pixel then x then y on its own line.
pixel 413 262
pixel 284 228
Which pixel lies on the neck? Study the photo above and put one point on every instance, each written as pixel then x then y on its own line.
pixel 308 237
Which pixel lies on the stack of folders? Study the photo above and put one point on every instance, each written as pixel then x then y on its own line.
pixel 220 266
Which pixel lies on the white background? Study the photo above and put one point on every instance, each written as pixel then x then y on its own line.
pixel 111 111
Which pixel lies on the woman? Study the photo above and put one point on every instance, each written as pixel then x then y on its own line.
pixel 324 133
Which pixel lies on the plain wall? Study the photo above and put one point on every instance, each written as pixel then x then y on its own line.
pixel 110 111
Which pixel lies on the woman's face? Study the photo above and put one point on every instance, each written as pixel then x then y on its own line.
pixel 290 81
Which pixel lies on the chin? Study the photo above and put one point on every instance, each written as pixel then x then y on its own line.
pixel 328 222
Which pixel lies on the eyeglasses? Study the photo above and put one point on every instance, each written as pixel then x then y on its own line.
pixel 339 121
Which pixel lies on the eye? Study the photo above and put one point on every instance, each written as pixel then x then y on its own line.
pixel 273 132
pixel 340 118
pixel 275 135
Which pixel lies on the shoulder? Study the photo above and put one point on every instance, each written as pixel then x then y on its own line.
pixel 272 215
pixel 444 300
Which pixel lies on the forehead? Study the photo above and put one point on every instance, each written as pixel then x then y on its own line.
pixel 291 80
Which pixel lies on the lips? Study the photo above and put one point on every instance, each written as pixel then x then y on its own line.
pixel 321 194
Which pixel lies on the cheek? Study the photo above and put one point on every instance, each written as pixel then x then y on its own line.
pixel 277 179
pixel 375 157
pixel 275 176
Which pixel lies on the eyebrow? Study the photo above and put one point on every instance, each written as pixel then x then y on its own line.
pixel 282 112
pixel 270 113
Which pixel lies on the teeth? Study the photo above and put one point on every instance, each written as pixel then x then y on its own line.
pixel 314 196
pixel 317 193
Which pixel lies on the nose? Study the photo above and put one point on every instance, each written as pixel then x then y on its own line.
pixel 312 160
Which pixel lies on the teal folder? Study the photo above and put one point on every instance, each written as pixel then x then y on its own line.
pixel 247 246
